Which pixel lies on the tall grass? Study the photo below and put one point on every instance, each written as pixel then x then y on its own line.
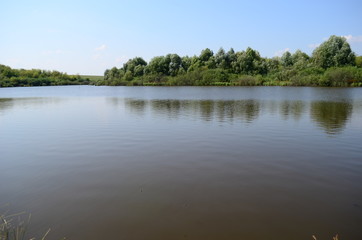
pixel 15 227
pixel 334 238
pixel 12 229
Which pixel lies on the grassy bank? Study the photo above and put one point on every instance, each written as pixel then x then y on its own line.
pixel 35 77
pixel 348 76
pixel 91 78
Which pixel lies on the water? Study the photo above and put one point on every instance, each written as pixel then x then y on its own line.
pixel 183 162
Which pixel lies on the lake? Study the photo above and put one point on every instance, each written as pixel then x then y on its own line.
pixel 183 162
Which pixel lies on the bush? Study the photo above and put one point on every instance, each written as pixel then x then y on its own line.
pixel 342 77
pixel 247 80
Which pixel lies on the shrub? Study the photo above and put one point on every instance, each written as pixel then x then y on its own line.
pixel 342 77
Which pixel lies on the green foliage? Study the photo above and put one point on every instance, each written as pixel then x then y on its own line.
pixel 25 78
pixel 185 64
pixel 286 59
pixel 247 80
pixel 247 62
pixel 300 58
pixel 158 65
pixel 335 52
pixel 342 77
pixel 330 65
pixel 359 61
pixel 174 65
pixel 221 59
pixel 131 64
pixel 205 55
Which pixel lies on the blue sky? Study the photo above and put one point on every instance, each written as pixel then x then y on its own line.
pixel 87 37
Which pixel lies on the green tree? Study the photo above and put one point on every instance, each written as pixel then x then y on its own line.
pixel 247 62
pixel 195 64
pixel 175 64
pixel 138 70
pixel 359 61
pixel 128 76
pixel 131 64
pixel 286 59
pixel 299 56
pixel 158 65
pixel 112 74
pixel 205 55
pixel 231 56
pixel 186 63
pixel 221 59
pixel 272 64
pixel 211 63
pixel 334 52
pixel 300 59
pixel 6 72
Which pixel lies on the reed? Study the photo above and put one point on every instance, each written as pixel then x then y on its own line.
pixel 15 227
pixel 334 238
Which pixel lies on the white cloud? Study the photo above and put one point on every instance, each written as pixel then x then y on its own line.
pixel 121 59
pixel 99 52
pixel 351 38
pixel 281 52
pixel 101 48
pixel 314 45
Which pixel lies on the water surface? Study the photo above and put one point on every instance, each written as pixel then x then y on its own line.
pixel 183 162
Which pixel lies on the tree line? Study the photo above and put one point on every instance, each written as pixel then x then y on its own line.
pixel 333 63
pixel 35 77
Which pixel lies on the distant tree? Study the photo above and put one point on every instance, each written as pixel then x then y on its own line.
pixel 300 59
pixel 186 63
pixel 247 62
pixel 221 59
pixel 205 55
pixel 211 63
pixel 196 63
pixel 175 64
pixel 359 61
pixel 159 65
pixel 299 56
pixel 334 52
pixel 273 64
pixel 113 74
pixel 21 77
pixel 286 59
pixel 138 70
pixel 231 56
pixel 131 64
pixel 128 76
pixel 326 67
pixel 6 72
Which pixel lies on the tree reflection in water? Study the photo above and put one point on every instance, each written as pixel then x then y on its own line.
pixel 331 116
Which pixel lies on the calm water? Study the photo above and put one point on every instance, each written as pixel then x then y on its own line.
pixel 183 162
